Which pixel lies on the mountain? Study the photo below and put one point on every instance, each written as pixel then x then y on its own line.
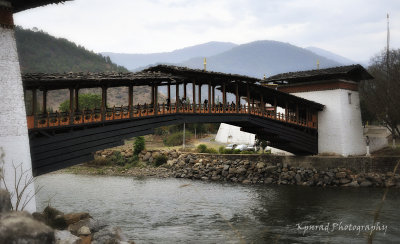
pixel 41 52
pixel 262 57
pixel 330 55
pixel 135 61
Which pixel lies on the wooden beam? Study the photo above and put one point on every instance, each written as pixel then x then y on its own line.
pixel 130 94
pixel 76 99
pixel 286 111
pixel 275 108
pixel 44 105
pixel 169 92
pixel 209 97
pixel 297 113
pixel 155 99
pixel 237 98
pixel 152 95
pixel 177 100
pixel 262 105
pixel 71 100
pixel 184 90
pixel 248 97
pixel 213 96
pixel 103 103
pixel 34 106
pixel 194 96
pixel 200 98
pixel 224 96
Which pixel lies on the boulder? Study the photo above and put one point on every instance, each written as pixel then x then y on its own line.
pixel 341 175
pixel 260 165
pixel 344 181
pixel 5 202
pixel 84 231
pixel 54 218
pixel 65 237
pixel 21 227
pixel 72 218
pixel 109 235
pixel 366 183
pixel 147 156
pixel 352 184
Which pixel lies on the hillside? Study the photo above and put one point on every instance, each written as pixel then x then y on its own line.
pixel 137 61
pixel 330 55
pixel 262 57
pixel 41 52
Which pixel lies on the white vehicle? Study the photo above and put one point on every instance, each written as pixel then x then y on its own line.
pixel 242 147
pixel 231 146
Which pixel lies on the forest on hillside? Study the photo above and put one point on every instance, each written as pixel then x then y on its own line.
pixel 41 52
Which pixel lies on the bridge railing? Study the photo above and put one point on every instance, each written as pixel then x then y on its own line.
pixel 97 115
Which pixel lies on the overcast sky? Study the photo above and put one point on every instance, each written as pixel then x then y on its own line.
pixel 355 29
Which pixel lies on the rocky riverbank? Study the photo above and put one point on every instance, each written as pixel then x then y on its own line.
pixel 259 169
pixel 53 226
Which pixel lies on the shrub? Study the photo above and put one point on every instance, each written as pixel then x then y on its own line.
pixel 202 148
pixel 117 158
pixel 247 152
pixel 211 151
pixel 138 145
pixel 221 149
pixel 99 161
pixel 160 160
pixel 176 139
pixel 236 151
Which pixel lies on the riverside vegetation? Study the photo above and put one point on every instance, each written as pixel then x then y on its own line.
pixel 208 165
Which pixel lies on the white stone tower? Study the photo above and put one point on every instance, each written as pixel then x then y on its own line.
pixel 14 141
pixel 340 129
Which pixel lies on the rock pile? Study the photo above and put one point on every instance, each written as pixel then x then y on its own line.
pixel 52 226
pixel 203 167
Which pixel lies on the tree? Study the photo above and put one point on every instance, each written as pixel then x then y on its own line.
pixel 86 101
pixel 381 96
pixel 138 145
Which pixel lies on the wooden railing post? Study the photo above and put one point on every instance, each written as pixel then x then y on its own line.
pixel 194 97
pixel 34 107
pixel 177 101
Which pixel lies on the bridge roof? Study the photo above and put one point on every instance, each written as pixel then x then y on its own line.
pixel 21 5
pixel 162 75
pixel 351 72
pixel 201 76
pixel 58 81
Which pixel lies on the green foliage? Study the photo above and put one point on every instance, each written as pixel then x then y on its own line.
pixel 221 149
pixel 247 152
pixel 202 148
pixel 211 151
pixel 117 158
pixel 138 145
pixel 40 52
pixel 176 139
pixel 86 101
pixel 160 160
pixel 236 151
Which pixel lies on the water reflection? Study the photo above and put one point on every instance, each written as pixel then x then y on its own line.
pixel 183 211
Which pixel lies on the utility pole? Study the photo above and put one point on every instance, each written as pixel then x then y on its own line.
pixel 388 71
pixel 184 131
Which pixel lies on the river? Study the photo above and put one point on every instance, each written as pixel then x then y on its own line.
pixel 150 210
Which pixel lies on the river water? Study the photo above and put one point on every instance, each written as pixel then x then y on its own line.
pixel 152 210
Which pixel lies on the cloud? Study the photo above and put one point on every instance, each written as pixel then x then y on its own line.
pixel 355 29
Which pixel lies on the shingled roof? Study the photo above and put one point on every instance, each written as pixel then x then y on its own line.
pixel 199 75
pixel 351 72
pixel 21 5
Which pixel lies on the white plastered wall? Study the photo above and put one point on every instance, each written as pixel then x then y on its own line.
pixel 14 142
pixel 339 124
pixel 232 134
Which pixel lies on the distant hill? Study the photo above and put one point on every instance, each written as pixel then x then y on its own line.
pixel 330 55
pixel 41 52
pixel 136 61
pixel 262 57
